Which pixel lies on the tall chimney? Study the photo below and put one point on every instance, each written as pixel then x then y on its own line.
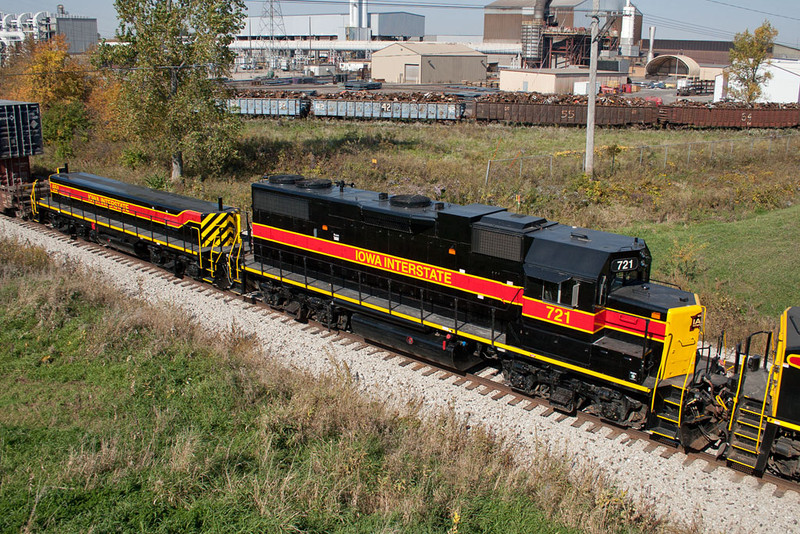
pixel 364 14
pixel 355 13
pixel 652 39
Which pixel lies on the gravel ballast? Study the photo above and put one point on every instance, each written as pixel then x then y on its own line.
pixel 685 491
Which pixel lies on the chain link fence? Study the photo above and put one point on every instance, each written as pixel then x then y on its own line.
pixel 617 158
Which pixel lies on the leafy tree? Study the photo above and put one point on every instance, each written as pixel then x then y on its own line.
pixel 749 53
pixel 172 52
pixel 44 72
pixel 60 122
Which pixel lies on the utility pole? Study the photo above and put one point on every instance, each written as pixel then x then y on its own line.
pixel 589 161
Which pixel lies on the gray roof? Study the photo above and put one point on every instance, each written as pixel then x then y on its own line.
pixel 511 3
pixel 430 49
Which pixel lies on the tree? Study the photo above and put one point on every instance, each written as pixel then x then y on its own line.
pixel 172 51
pixel 749 54
pixel 44 72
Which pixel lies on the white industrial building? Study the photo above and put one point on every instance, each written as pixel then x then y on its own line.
pixel 357 25
pixel 396 25
pixel 80 32
pixel 783 87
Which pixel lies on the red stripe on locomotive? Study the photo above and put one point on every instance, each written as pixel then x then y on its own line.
pixel 414 269
pixel 126 207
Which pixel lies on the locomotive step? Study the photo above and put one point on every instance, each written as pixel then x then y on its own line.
pixel 747 432
pixel 668 432
pixel 669 410
pixel 750 423
pixel 673 396
pixel 753 406
pixel 742 458
pixel 750 415
pixel 743 445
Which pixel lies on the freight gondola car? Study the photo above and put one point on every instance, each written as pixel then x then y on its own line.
pixel 188 236
pixel 398 107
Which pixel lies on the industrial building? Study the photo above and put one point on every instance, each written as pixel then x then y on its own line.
pixel 80 32
pixel 712 52
pixel 396 26
pixel 549 32
pixel 554 81
pixel 297 40
pixel 680 66
pixel 422 63
pixel 783 87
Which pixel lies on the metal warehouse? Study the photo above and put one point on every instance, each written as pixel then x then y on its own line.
pixel 428 63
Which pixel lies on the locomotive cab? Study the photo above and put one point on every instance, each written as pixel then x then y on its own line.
pixel 588 300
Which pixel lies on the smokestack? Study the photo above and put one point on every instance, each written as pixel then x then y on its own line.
pixel 652 38
pixel 626 41
pixel 540 9
pixel 364 14
pixel 355 13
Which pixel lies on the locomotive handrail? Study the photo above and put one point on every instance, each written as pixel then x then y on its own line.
pixel 660 373
pixel 742 373
pixel 689 372
pixel 200 247
pixel 764 403
pixel 34 209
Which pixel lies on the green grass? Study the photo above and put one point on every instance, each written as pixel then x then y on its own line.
pixel 117 417
pixel 744 269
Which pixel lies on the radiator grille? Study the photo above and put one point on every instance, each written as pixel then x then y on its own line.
pixel 497 244
pixel 281 205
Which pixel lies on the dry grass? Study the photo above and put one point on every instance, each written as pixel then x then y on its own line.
pixel 186 421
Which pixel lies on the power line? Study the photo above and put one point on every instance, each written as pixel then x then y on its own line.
pixel 424 4
pixel 783 16
pixel 114 69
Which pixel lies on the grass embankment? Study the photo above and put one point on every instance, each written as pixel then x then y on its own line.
pixel 115 416
pixel 704 185
pixel 744 270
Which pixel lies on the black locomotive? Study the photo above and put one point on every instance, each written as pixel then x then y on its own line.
pixel 570 313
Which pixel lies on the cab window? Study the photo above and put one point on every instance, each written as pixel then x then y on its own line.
pixel 566 293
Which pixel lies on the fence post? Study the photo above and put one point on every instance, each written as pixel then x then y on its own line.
pixel 520 168
pixel 769 148
pixel 665 157
pixel 712 149
pixel 488 170
pixel 787 145
pixel 731 147
pixel 551 166
pixel 689 154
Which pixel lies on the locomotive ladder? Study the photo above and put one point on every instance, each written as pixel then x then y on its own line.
pixel 669 400
pixel 667 415
pixel 749 437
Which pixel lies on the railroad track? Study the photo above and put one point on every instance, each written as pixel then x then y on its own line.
pixel 486 380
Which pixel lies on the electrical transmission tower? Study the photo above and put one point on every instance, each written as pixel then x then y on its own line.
pixel 273 16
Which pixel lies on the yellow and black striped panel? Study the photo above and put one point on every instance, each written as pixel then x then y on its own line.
pixel 218 229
